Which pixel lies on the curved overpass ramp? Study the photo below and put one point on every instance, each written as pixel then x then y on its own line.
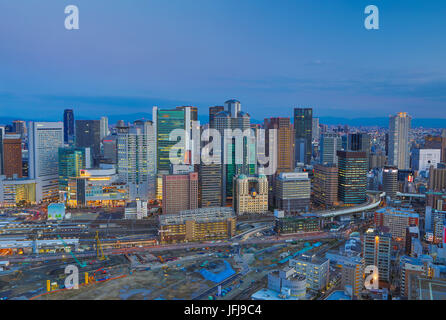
pixel 374 200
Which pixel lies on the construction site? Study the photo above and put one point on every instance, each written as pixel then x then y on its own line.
pixel 230 271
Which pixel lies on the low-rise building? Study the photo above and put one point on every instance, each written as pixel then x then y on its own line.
pixel 315 269
pixel 297 224
pixel 285 284
pixel 17 191
pixel 205 224
pixel 56 211
pixel 96 188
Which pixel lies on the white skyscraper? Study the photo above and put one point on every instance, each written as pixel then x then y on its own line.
pixel 45 138
pixel 104 127
pixel 399 128
pixel 136 161
pixel 316 132
pixel 330 144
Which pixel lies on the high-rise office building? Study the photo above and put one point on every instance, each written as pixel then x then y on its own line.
pixel 377 252
pixel 136 161
pixel 210 185
pixel 88 135
pixel 104 127
pixel 110 149
pixel 250 194
pixel 285 143
pixel 68 126
pixel 303 127
pixel 399 128
pixel 316 131
pixel 352 176
pixel 12 155
pixel 377 160
pixel 192 127
pixel 359 142
pixel 180 192
pixel 45 139
pixel 19 127
pixel 165 121
pixel 325 184
pixel 423 159
pixel 330 144
pixel 436 142
pixel 71 161
pixel 293 192
pixel 390 181
pixel 437 179
pixel 232 118
pixel 212 112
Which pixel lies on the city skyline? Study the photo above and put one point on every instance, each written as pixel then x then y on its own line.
pixel 155 54
pixel 239 151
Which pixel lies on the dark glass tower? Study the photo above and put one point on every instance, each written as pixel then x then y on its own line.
pixel 352 176
pixel 359 142
pixel 166 122
pixel 390 181
pixel 88 135
pixel 303 131
pixel 68 126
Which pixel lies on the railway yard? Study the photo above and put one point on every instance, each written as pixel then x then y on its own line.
pixel 119 259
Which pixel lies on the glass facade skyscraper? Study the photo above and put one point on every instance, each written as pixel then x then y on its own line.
pixel 165 122
pixel 136 160
pixel 71 162
pixel 303 131
pixel 352 176
pixel 330 144
pixel 68 126
pixel 232 118
pixel 45 139
pixel 88 135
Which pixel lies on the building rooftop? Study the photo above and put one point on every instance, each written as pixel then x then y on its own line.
pixel 338 295
pixel 266 294
pixel 202 215
pixel 314 259
pixel 399 212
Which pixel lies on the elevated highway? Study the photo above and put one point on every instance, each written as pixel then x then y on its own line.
pixel 373 201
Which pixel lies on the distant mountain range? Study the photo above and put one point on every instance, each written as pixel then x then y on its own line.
pixel 357 122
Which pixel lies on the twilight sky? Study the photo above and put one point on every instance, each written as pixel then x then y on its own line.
pixel 271 55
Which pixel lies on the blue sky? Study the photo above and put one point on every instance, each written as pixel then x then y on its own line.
pixel 271 55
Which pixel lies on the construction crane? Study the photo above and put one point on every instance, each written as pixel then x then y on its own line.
pixel 72 254
pixel 100 255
